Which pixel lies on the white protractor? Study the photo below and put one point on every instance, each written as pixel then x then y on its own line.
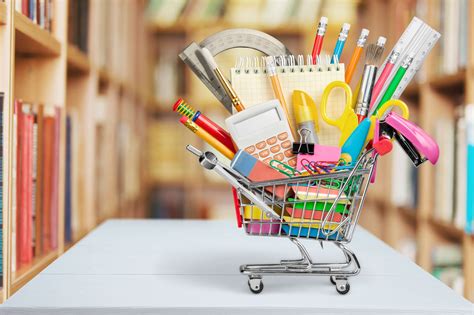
pixel 222 41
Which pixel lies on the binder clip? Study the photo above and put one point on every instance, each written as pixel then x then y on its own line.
pixel 303 147
pixel 416 143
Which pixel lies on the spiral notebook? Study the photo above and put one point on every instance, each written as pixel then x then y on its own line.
pixel 252 85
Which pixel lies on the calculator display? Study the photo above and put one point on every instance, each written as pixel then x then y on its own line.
pixel 258 122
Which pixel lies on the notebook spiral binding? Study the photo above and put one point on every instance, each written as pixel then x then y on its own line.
pixel 286 63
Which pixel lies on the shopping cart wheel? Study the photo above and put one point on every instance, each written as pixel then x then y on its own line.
pixel 342 286
pixel 255 284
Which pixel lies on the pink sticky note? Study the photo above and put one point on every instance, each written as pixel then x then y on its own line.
pixel 322 153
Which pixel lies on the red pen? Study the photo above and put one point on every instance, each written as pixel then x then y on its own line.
pixel 219 133
pixel 318 40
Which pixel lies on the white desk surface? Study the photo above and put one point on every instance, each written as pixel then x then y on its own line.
pixel 191 267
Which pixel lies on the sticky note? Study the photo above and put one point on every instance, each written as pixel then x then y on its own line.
pixel 322 153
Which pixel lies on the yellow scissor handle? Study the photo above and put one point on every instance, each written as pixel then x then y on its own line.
pixel 339 122
pixel 393 103
pixel 381 112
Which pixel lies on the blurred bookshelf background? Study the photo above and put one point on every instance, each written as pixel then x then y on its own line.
pixel 107 73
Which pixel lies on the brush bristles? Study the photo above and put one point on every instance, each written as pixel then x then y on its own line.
pixel 373 54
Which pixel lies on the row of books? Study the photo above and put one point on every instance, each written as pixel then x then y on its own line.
pixel 35 181
pixel 450 19
pixel 454 172
pixel 266 13
pixel 447 260
pixel 78 24
pixel 39 11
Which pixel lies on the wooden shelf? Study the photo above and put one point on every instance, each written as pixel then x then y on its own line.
pixel 447 229
pixel 25 274
pixel 3 15
pixel 408 213
pixel 31 39
pixel 77 61
pixel 412 90
pixel 450 83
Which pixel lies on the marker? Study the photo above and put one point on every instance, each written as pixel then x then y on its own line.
pixel 356 55
pixel 201 133
pixel 318 40
pixel 336 55
pixel 236 102
pixel 205 123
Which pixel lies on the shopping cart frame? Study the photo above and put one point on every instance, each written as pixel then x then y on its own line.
pixel 352 192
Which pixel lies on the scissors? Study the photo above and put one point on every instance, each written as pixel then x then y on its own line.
pixel 347 122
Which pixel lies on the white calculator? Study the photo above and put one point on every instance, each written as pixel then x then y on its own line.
pixel 263 131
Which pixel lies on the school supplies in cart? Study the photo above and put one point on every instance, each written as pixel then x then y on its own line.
pixel 251 83
pixel 314 186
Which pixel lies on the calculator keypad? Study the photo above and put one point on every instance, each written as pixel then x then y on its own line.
pixel 274 148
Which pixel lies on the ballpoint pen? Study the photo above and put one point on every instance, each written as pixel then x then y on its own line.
pixel 183 108
pixel 396 80
pixel 341 40
pixel 356 55
pixel 318 40
pixel 201 133
pixel 236 102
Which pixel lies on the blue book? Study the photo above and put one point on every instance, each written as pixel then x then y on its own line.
pixel 470 169
pixel 68 184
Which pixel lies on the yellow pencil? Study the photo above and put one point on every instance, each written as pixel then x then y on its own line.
pixel 201 133
pixel 271 71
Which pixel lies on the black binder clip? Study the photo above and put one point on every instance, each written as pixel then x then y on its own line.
pixel 303 147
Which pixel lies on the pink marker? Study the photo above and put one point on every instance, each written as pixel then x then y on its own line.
pixel 387 70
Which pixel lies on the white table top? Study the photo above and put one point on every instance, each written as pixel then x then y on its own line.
pixel 184 267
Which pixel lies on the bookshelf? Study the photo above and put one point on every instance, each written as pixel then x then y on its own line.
pixel 434 95
pixel 101 100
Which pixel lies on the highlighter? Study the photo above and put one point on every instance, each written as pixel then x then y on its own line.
pixel 353 146
pixel 304 111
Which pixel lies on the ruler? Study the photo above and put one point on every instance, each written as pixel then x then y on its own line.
pixel 222 41
pixel 418 37
pixel 429 40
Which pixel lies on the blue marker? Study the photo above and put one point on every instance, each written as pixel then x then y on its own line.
pixel 341 40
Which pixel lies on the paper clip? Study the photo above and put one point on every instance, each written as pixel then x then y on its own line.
pixel 284 168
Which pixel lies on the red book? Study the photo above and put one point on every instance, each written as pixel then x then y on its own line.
pixel 55 181
pixel 19 180
pixel 24 244
pixel 48 146
pixel 25 7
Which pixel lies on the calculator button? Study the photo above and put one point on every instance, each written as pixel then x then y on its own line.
pixel 250 149
pixel 263 154
pixel 288 153
pixel 275 148
pixel 261 145
pixel 255 156
pixel 286 144
pixel 272 140
pixel 267 160
pixel 279 157
pixel 292 162
pixel 282 136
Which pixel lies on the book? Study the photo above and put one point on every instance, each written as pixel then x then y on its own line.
pixel 55 180
pixel 39 182
pixel 48 165
pixel 469 114
pixel 68 184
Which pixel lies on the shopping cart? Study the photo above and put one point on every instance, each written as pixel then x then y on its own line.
pixel 322 207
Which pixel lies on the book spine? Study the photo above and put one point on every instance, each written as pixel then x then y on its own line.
pixel 470 169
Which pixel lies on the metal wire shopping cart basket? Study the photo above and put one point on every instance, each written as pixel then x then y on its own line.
pixel 323 207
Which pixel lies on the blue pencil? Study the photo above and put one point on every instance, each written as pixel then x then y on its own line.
pixel 341 40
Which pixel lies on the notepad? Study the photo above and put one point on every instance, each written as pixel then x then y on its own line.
pixel 251 83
